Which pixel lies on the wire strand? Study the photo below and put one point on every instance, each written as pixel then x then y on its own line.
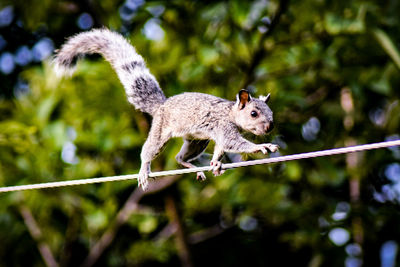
pixel 322 153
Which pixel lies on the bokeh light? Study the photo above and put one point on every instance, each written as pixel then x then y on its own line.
pixel 7 63
pixel 392 172
pixel 310 129
pixel 341 212
pixel 388 253
pixel 23 56
pixel 339 236
pixel 128 10
pixel 353 250
pixel 152 30
pixel 68 153
pixel 248 223
pixel 42 49
pixel 6 16
pixel 85 21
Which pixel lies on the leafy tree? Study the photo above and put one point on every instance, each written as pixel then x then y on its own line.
pixel 332 68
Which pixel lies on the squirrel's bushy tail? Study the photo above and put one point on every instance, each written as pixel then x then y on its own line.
pixel 141 87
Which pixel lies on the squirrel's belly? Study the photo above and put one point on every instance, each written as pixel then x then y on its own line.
pixel 198 136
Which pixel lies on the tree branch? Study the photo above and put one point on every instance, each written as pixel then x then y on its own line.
pixel 193 238
pixel 180 235
pixel 205 234
pixel 130 206
pixel 36 234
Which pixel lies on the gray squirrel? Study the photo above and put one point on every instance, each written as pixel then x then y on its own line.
pixel 196 117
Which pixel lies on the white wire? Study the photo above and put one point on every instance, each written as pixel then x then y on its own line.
pixel 315 154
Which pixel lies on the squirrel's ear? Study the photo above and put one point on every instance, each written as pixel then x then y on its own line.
pixel 265 98
pixel 242 98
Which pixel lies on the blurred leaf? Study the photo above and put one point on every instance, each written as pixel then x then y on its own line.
pixel 96 220
pixel 145 224
pixel 141 251
pixel 337 24
pixel 385 41
pixel 293 170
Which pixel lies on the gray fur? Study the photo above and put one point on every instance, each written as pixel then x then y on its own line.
pixel 196 117
pixel 141 87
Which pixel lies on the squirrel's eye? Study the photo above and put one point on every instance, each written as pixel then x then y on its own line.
pixel 254 114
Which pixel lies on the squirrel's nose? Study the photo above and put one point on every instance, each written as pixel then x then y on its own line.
pixel 269 127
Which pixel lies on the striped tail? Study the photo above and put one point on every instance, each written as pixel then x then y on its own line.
pixel 142 89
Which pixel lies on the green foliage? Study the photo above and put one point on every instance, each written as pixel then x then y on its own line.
pixel 83 127
pixel 143 251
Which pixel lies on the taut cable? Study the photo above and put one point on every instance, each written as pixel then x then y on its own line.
pixel 322 153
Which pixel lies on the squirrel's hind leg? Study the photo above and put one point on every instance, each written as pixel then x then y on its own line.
pixel 190 150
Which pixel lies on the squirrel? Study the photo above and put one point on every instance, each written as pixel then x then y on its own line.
pixel 196 117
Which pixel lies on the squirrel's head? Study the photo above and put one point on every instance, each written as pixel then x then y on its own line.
pixel 252 114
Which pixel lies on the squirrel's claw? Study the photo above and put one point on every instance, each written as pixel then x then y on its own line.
pixel 201 176
pixel 272 147
pixel 264 148
pixel 143 181
pixel 217 171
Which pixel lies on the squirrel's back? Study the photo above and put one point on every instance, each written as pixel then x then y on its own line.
pixel 142 89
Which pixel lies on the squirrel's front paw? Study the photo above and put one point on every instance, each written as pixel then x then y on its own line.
pixel 201 176
pixel 264 148
pixel 143 180
pixel 217 171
